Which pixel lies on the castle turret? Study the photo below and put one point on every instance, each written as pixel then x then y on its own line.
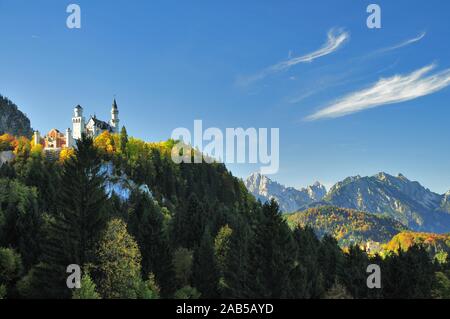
pixel 78 123
pixel 114 117
pixel 37 137
pixel 69 138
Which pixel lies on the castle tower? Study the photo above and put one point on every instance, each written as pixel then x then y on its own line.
pixel 78 123
pixel 114 117
pixel 69 138
pixel 37 138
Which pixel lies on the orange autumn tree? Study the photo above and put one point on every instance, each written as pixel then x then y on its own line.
pixel 22 147
pixel 6 142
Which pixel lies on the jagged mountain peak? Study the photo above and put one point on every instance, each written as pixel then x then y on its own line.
pixel 316 191
pixel 407 201
pixel 289 198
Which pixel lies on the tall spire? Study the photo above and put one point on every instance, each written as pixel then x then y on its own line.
pixel 114 105
pixel 114 122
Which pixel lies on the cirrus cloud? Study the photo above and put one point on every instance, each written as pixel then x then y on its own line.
pixel 398 88
pixel 335 39
pixel 404 43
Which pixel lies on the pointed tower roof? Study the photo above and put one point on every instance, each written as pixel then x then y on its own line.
pixel 114 105
pixel 78 107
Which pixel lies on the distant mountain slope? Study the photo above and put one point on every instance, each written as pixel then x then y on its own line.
pixel 288 198
pixel 445 204
pixel 12 120
pixel 405 200
pixel 346 225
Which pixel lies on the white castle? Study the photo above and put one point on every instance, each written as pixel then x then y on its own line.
pixel 55 140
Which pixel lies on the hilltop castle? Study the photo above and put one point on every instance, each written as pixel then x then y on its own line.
pixel 56 140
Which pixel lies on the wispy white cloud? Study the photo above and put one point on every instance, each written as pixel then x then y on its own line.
pixel 398 88
pixel 335 39
pixel 404 43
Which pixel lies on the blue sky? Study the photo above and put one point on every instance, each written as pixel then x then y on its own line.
pixel 171 62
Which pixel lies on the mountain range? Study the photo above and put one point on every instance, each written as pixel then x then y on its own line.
pixel 289 199
pixel 406 201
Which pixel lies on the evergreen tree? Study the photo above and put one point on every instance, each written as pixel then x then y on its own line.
pixel 271 255
pixel 87 290
pixel 236 275
pixel 123 140
pixel 353 274
pixel 20 220
pixel 146 225
pixel 189 224
pixel 408 275
pixel 10 268
pixel 148 289
pixel 80 219
pixel 330 260
pixel 338 291
pixel 306 278
pixel 182 262
pixel 206 274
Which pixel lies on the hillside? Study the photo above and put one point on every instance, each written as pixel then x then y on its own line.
pixel 346 225
pixel 12 120
pixel 436 245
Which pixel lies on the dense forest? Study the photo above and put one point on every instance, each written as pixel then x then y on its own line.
pixel 141 226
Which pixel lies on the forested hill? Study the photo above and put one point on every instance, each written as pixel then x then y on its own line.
pixel 437 245
pixel 348 226
pixel 12 120
pixel 141 226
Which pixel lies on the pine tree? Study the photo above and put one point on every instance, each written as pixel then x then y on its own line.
pixel 146 224
pixel 182 262
pixel 206 274
pixel 189 224
pixel 306 278
pixel 330 260
pixel 87 290
pixel 123 140
pixel 79 222
pixel 354 274
pixel 236 275
pixel 271 255
pixel 408 275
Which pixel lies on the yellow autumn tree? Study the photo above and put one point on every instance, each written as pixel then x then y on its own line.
pixel 65 154
pixel 107 143
pixel 119 262
pixel 37 150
